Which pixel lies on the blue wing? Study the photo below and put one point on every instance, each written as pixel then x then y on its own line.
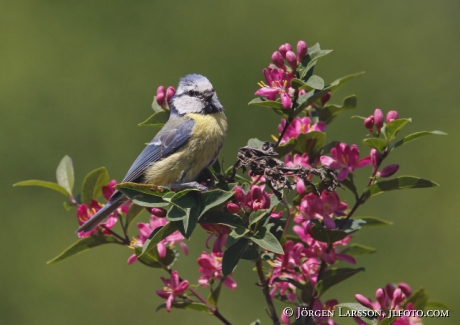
pixel 174 134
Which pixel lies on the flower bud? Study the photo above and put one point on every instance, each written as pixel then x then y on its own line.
pixel 380 295
pixel 388 171
pixel 291 59
pixel 169 93
pixel 369 123
pixel 282 49
pixel 233 208
pixel 391 116
pixel 301 50
pixel 364 301
pixel 302 92
pixel 378 119
pixel 278 60
pixel 158 212
pixel 325 98
pixel 240 196
pixel 398 297
pixel 405 288
pixel 376 159
pixel 161 96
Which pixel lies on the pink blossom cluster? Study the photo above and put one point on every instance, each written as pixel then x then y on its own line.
pixel 390 298
pixel 84 213
pixel 345 159
pixel 163 97
pixel 278 80
pixel 297 126
pixel 157 219
pixel 377 120
pixel 256 199
pixel 301 263
pixel 173 288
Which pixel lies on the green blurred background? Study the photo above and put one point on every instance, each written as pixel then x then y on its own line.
pixel 78 76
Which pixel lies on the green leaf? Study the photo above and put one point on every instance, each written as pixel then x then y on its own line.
pixel 232 256
pixel 314 82
pixel 390 129
pixel 255 216
pixel 65 175
pixel 328 113
pixel 336 84
pixel 437 305
pixel 398 183
pixel 358 250
pixel 224 218
pixel 145 195
pixel 309 61
pixel 158 235
pixel 387 321
pixel 418 298
pixel 93 183
pixel 374 222
pixel 354 306
pixel 326 235
pixel 83 245
pixel 214 198
pixel 152 258
pixel 277 107
pixel 194 306
pixel 255 143
pixel 50 185
pixel 311 143
pixel 213 298
pixel 157 119
pixel 376 143
pixel 296 284
pixel 265 239
pixel 415 136
pixel 334 276
pixel 155 106
pixel 132 214
pixel 192 204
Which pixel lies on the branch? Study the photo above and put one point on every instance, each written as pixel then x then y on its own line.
pixel 273 315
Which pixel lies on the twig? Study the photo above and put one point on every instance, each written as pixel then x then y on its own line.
pixel 272 311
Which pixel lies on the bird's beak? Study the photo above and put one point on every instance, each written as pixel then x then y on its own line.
pixel 208 94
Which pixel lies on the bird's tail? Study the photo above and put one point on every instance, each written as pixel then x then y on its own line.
pixel 114 203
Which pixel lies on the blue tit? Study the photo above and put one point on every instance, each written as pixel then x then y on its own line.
pixel 189 141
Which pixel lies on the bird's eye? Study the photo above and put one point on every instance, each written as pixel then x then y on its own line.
pixel 192 92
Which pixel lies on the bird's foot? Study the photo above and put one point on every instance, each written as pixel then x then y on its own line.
pixel 190 185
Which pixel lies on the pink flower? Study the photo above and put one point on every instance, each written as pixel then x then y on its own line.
pixel 322 207
pixel 302 50
pixel 211 269
pixel 173 288
pixel 284 48
pixel 161 96
pixel 390 298
pixel 278 60
pixel 345 159
pixel 388 171
pixel 378 119
pixel 278 82
pixel 145 229
pixel 171 91
pixel 220 232
pixel 257 199
pixel 369 123
pixel 298 126
pixel 84 214
pixel 391 116
pixel 302 161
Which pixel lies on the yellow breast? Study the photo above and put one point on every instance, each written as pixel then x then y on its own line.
pixel 200 150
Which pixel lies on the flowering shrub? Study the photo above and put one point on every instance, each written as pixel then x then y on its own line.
pixel 294 240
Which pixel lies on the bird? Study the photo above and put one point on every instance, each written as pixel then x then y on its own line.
pixel 188 142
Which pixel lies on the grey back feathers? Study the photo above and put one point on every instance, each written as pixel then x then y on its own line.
pixel 195 94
